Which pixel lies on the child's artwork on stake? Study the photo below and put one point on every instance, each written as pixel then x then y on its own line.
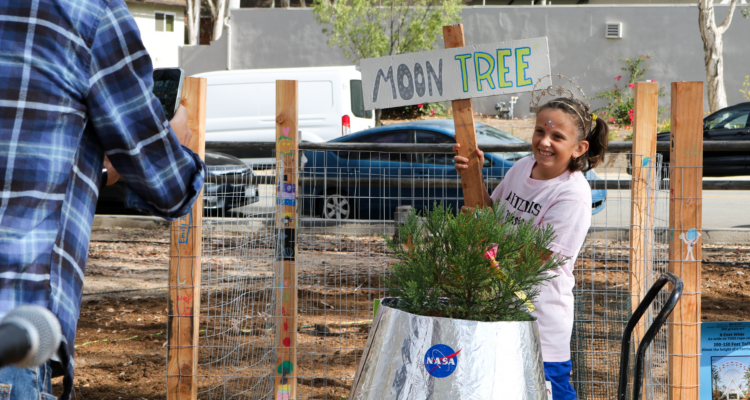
pixel 690 238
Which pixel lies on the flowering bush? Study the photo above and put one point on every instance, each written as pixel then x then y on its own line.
pixel 619 109
pixel 432 109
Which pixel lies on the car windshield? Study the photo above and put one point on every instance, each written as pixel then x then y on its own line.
pixel 729 119
pixel 488 134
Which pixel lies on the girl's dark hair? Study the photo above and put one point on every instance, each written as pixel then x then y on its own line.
pixel 594 131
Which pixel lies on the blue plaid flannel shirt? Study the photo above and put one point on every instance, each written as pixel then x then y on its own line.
pixel 75 84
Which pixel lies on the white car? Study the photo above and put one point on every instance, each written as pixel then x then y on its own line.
pixel 241 106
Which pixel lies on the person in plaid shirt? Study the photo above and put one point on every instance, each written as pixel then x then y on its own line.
pixel 75 85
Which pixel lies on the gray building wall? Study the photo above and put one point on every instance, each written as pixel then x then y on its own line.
pixel 213 57
pixel 284 38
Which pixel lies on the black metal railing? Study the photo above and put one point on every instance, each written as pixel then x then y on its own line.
pixel 649 336
pixel 614 147
pixel 428 182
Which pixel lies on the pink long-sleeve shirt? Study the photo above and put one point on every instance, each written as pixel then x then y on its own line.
pixel 565 203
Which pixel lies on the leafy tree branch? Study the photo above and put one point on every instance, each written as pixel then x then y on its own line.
pixel 370 28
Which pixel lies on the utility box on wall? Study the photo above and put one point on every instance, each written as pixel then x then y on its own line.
pixel 613 30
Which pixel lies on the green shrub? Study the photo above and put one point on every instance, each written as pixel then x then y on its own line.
pixel 441 268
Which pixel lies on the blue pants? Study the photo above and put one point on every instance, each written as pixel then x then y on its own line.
pixel 26 383
pixel 558 373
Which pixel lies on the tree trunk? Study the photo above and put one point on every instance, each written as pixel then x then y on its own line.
pixel 221 6
pixel 378 113
pixel 189 22
pixel 713 45
pixel 193 21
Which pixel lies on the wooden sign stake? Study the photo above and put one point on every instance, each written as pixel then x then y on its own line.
pixel 287 156
pixel 466 135
pixel 643 187
pixel 185 265
pixel 685 224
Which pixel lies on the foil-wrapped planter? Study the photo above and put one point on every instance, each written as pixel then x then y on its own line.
pixel 414 357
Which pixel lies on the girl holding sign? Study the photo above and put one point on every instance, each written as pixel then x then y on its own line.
pixel 549 186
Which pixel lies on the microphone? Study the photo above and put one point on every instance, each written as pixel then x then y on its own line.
pixel 31 335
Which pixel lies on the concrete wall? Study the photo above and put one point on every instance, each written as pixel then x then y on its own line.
pixel 213 57
pixel 283 38
pixel 280 38
pixel 163 47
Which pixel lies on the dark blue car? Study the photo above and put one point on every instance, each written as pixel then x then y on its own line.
pixel 371 184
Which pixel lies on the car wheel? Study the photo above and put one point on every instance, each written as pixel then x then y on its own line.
pixel 337 207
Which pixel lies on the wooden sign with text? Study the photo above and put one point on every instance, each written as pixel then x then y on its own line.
pixel 454 73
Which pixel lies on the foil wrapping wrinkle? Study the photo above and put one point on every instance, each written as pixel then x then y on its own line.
pixel 418 358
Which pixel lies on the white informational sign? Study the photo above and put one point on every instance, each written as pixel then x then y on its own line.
pixel 451 74
pixel 725 360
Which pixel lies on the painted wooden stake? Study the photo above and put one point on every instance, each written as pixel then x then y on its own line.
pixel 287 149
pixel 185 265
pixel 466 136
pixel 685 224
pixel 643 188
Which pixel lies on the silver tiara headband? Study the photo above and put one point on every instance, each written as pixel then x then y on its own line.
pixel 558 93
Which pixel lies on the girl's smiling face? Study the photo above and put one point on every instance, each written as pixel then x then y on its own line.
pixel 555 143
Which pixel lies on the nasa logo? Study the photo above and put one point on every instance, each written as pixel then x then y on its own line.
pixel 440 360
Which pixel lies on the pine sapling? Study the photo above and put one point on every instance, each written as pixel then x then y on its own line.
pixel 474 266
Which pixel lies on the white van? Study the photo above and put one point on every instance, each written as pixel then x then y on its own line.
pixel 241 106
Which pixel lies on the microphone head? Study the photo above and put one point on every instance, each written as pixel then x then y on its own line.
pixel 43 329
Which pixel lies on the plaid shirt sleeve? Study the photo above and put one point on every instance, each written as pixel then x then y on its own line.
pixel 162 177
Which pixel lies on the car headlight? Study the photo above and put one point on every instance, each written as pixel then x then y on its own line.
pixel 251 191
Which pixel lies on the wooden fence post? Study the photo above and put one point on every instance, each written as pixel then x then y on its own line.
pixel 287 156
pixel 466 135
pixel 185 265
pixel 685 224
pixel 643 187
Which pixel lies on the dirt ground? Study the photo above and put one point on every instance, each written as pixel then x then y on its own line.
pixel 121 338
pixel 121 342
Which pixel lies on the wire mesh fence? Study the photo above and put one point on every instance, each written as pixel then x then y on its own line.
pixel 347 201
pixel 606 292
pixel 655 258
pixel 236 345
